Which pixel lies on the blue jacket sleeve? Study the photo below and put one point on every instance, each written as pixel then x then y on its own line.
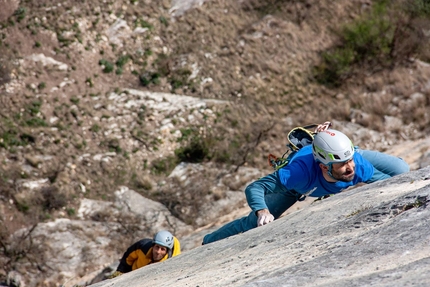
pixel 255 194
pixel 256 191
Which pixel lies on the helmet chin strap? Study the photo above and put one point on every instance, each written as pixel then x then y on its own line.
pixel 330 168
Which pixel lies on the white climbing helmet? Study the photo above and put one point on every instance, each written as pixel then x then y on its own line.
pixel 331 146
pixel 163 238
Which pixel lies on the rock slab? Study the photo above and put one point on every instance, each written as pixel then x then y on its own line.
pixel 374 235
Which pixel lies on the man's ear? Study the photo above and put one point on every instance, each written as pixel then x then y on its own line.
pixel 323 167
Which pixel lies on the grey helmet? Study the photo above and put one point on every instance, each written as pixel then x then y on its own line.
pixel 164 238
pixel 331 146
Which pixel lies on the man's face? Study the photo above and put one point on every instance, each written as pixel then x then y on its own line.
pixel 158 252
pixel 344 171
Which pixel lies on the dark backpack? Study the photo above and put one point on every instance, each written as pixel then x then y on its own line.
pixel 298 138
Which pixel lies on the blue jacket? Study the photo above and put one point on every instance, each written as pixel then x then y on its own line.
pixel 303 174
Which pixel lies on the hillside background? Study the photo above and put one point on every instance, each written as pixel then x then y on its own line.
pixel 124 117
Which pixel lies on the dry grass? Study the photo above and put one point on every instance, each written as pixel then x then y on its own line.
pixel 6 65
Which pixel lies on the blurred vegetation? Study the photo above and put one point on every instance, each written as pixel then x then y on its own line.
pixel 384 35
pixel 391 32
pixel 16 132
pixel 5 65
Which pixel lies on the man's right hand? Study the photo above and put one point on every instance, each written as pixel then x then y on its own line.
pixel 264 217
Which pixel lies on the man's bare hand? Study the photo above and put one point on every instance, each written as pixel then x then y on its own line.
pixel 264 217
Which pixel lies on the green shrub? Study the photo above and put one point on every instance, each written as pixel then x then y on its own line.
pixel 336 65
pixel 34 107
pixel 391 32
pixel 41 86
pixel 186 133
pixel 147 52
pixel 164 165
pixel 195 147
pixel 142 23
pixel 71 211
pixel 36 122
pixel 12 137
pixel 74 100
pixel 9 137
pixel 149 78
pixel 22 206
pixel 419 8
pixel 370 37
pixel 179 78
pixel 195 151
pixel 90 83
pixel 63 40
pixel 122 61
pixel 107 66
pixel 113 145
pixel 163 20
pixel 95 128
pixel 367 40
pixel 20 14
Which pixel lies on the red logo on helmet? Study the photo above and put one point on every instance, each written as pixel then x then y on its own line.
pixel 330 133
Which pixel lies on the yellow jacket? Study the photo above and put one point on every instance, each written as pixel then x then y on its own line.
pixel 140 254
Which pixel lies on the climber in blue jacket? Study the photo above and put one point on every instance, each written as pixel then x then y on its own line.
pixel 328 166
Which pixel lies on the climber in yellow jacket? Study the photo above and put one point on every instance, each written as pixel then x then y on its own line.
pixel 146 251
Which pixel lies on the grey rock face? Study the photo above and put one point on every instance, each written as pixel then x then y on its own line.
pixel 375 235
